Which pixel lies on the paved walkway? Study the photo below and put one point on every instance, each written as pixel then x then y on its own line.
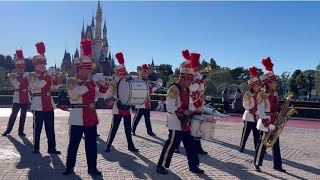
pixel 300 153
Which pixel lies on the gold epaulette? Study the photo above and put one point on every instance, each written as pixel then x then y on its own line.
pixel 247 96
pixel 173 92
pixel 262 96
pixel 112 86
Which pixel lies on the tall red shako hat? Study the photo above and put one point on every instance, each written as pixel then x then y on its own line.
pixel 120 70
pixel 84 62
pixel 186 72
pixel 254 76
pixel 40 57
pixel 20 63
pixel 269 76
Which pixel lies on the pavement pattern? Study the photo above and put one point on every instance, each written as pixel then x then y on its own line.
pixel 300 149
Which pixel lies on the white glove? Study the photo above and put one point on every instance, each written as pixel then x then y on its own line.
pixel 198 77
pixel 97 77
pixel 193 87
pixel 25 74
pixel 272 127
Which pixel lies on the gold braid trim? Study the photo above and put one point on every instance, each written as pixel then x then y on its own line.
pixel 247 96
pixel 173 92
pixel 262 96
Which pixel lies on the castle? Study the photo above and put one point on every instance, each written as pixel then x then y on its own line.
pixel 104 62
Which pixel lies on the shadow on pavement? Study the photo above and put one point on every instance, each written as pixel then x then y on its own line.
pixel 270 158
pixel 129 162
pixel 39 165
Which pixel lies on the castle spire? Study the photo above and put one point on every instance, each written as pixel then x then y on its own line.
pixel 92 22
pixel 82 32
pixel 105 24
pixel 152 63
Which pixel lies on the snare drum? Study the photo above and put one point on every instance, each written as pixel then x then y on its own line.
pixel 132 91
pixel 203 126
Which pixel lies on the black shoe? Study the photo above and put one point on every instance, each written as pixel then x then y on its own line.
pixel 21 134
pixel 202 152
pixel 54 152
pixel 67 172
pixel 36 151
pixel 107 149
pixel 162 170
pixel 133 133
pixel 94 172
pixel 133 149
pixel 196 170
pixel 257 168
pixel 151 134
pixel 5 134
pixel 241 150
pixel 280 169
pixel 177 151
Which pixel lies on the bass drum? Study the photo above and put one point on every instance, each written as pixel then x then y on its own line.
pixel 132 91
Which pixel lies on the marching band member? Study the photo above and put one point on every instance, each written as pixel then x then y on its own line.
pixel 83 117
pixel 42 103
pixel 197 88
pixel 178 122
pixel 119 110
pixel 21 96
pixel 144 110
pixel 250 115
pixel 268 108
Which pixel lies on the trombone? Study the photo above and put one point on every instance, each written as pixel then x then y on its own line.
pixel 158 83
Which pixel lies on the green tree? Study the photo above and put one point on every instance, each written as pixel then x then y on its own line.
pixel 310 78
pixel 173 78
pixel 163 71
pixel 318 78
pixel 283 81
pixel 293 87
pixel 29 65
pixel 203 64
pixel 213 64
pixel 153 76
pixel 306 81
pixel 217 81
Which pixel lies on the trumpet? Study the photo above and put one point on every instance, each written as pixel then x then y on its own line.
pixel 33 76
pixel 12 76
pixel 101 79
pixel 206 70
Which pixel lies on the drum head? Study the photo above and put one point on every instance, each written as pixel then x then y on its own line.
pixel 123 90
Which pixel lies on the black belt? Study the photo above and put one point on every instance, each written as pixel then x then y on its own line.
pixel 39 94
pixel 20 90
pixel 79 105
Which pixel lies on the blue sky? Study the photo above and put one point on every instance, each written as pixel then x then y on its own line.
pixel 234 33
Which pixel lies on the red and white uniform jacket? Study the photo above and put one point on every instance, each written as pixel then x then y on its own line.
pixel 268 102
pixel 41 91
pixel 112 93
pixel 177 103
pixel 250 102
pixel 21 93
pixel 147 105
pixel 85 92
pixel 195 90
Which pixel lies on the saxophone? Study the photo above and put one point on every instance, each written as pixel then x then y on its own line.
pixel 286 112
